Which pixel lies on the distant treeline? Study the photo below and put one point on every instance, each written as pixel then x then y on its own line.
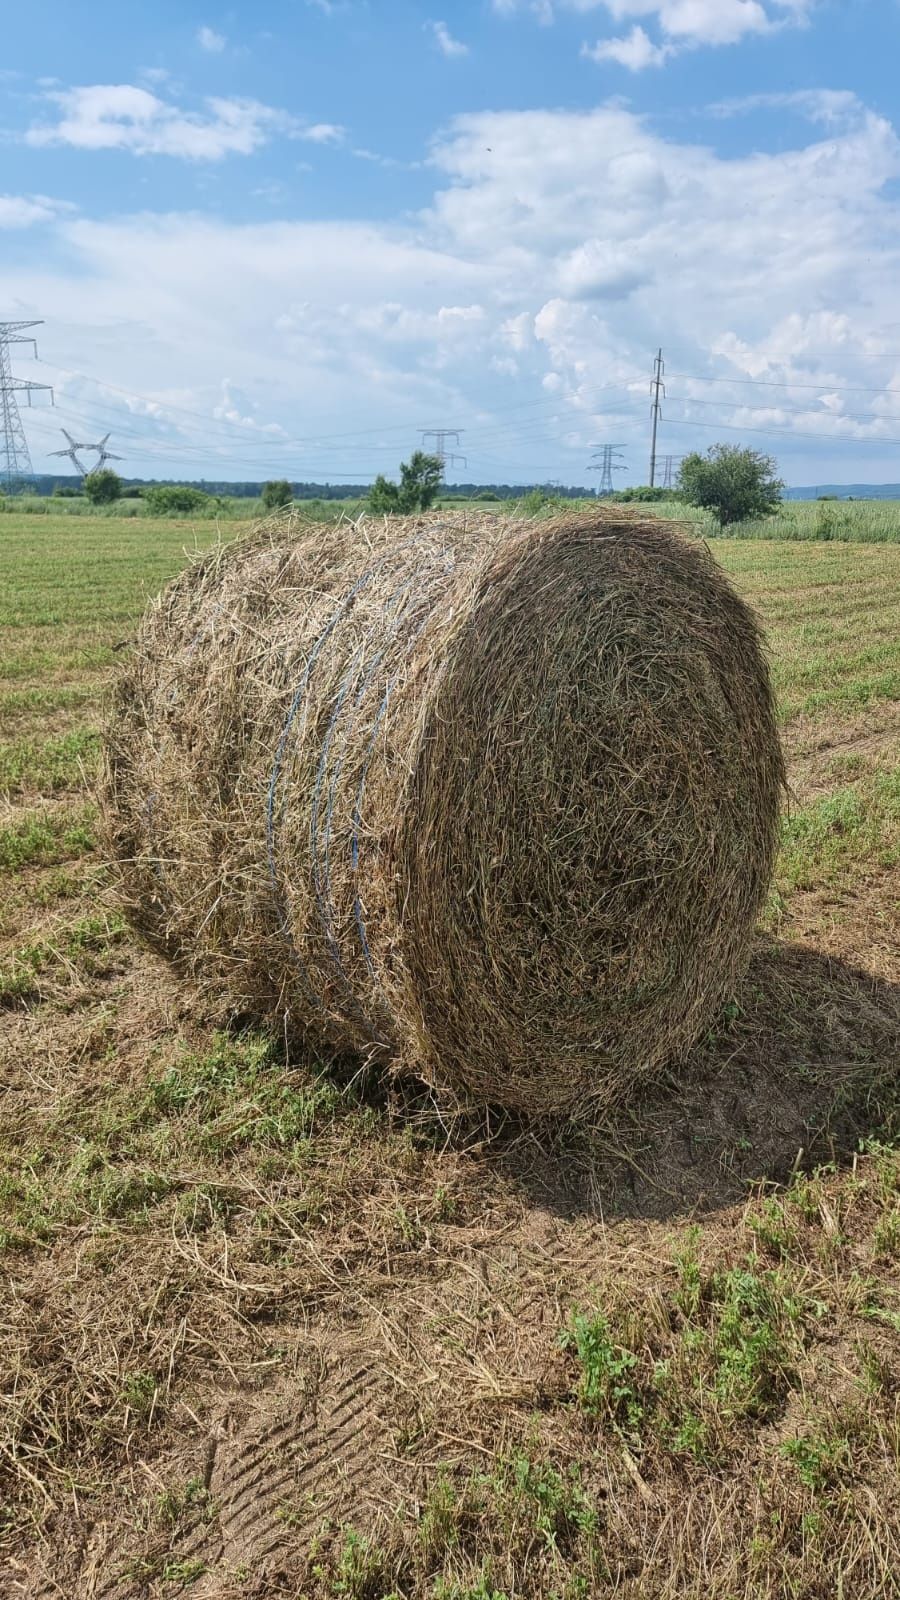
pixel 47 483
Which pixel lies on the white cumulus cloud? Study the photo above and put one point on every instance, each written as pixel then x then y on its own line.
pixel 443 38
pixel 682 24
pixel 234 409
pixel 323 133
pixel 23 211
pixel 833 108
pixel 560 248
pixel 211 41
pixel 125 117
pixel 599 270
pixel 697 21
pixel 634 50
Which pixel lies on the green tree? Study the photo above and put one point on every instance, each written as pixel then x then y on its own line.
pixel 420 480
pixel 384 496
pixel 277 493
pixel 102 488
pixel 731 482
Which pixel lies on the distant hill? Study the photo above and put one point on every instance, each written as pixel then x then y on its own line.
pixel 847 491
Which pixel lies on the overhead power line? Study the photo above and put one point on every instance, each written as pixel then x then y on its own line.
pixel 770 383
pixel 790 411
pixel 789 433
pixel 235 429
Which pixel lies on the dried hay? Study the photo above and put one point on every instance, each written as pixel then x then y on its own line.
pixel 494 800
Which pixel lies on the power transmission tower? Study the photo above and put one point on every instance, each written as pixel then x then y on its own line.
pixel 440 437
pixel 103 455
pixel 668 476
pixel 607 460
pixel 659 367
pixel 72 452
pixel 15 462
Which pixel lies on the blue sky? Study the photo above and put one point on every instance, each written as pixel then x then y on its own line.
pixel 284 238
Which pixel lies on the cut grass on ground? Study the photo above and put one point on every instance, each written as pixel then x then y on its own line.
pixel 47 838
pixel 78 951
pixel 278 1333
pixel 37 766
pixel 852 828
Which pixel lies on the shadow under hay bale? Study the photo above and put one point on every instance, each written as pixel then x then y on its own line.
pixel 801 1070
pixel 492 800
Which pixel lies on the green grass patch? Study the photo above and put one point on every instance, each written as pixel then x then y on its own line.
pixel 47 766
pixel 829 841
pixel 115 1157
pixel 827 521
pixel 43 839
pixel 29 662
pixel 60 571
pixel 690 1374
pixel 238 1095
pixel 82 950
pixel 23 898
pixel 63 697
pixel 832 614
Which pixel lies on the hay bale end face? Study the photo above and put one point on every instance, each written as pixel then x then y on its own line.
pixel 495 800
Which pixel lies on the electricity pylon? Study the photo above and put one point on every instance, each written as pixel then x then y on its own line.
pixel 606 461
pixel 74 447
pixel 15 462
pixel 103 455
pixel 440 437
pixel 658 389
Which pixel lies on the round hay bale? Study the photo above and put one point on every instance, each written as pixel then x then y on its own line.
pixel 493 799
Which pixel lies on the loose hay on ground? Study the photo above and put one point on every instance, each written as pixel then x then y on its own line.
pixel 494 800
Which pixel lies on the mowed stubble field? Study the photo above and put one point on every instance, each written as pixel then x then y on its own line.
pixel 265 1332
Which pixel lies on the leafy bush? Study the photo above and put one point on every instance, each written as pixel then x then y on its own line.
pixel 276 493
pixel 103 487
pixel 644 493
pixel 165 498
pixel 540 499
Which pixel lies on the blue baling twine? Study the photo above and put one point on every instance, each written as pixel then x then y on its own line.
pixel 323 894
pixel 357 807
pixel 324 899
pixel 292 712
pixel 354 843
pixel 325 919
pixel 330 626
pixel 275 775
